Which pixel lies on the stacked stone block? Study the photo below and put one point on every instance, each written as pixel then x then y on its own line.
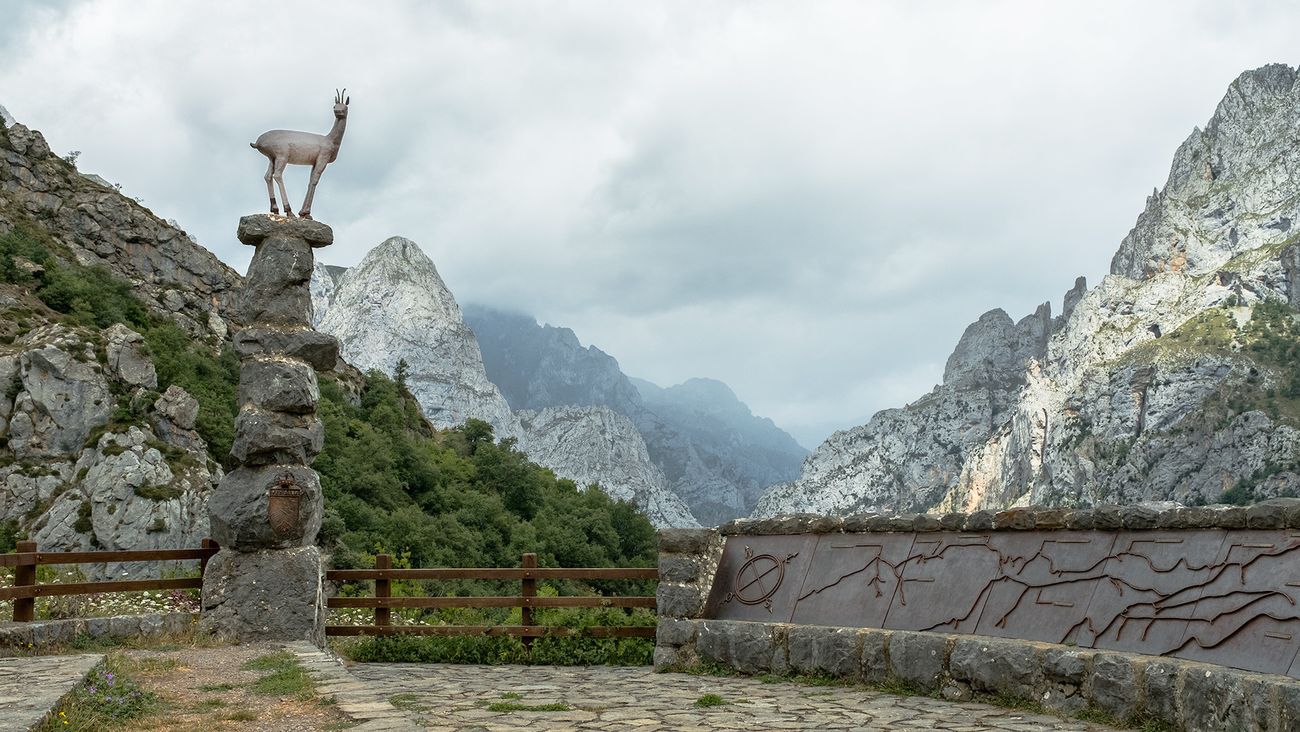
pixel 266 582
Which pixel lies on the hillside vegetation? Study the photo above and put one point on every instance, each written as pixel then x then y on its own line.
pixel 392 483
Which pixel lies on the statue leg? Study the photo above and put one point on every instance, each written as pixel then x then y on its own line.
pixel 270 191
pixel 279 180
pixel 316 171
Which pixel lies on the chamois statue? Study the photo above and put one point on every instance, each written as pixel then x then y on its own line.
pixel 289 147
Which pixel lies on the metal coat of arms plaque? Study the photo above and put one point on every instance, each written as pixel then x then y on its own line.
pixel 285 501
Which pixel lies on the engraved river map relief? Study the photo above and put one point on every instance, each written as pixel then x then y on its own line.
pixel 1220 596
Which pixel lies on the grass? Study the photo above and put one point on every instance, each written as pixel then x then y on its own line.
pixel 218 687
pixel 710 700
pixel 286 678
pixel 517 707
pixel 109 698
pixel 512 695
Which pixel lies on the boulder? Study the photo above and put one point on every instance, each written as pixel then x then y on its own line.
pixel 241 508
pixel 127 361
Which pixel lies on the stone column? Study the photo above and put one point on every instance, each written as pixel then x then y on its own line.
pixel 266 581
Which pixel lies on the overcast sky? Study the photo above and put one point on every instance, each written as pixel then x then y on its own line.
pixel 808 201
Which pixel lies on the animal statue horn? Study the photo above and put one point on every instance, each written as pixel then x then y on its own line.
pixel 290 147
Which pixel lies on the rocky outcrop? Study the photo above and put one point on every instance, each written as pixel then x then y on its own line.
pixel 95 225
pixel 393 306
pixel 74 480
pixel 716 455
pixel 598 445
pixel 1174 378
pixel 61 394
pixel 1230 189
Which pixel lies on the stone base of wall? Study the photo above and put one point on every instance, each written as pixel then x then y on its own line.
pixel 22 639
pixel 1184 694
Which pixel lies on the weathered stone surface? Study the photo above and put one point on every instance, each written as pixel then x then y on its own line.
pixel 239 508
pixel 678 601
pixel 278 384
pixel 678 568
pixel 1064 672
pixel 685 541
pixel 1271 514
pixel 255 229
pixel 123 493
pixel 1140 516
pixel 672 632
pixel 1160 692
pixel 320 350
pixel 952 521
pixel 127 361
pixel 919 658
pixel 1112 685
pixel 273 595
pixel 926 522
pixel 875 658
pixel 996 666
pixel 265 438
pixel 1015 519
pixel 1213 698
pixel 752 648
pixel 276 291
pixel 63 397
pixel 979 521
pixel 822 650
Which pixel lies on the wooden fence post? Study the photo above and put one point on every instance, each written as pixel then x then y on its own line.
pixel 383 588
pixel 203 563
pixel 529 589
pixel 25 576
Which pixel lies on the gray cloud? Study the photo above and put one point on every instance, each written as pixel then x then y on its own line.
pixel 809 202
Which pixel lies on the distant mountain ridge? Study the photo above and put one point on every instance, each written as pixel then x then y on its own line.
pixel 394 307
pixel 715 454
pixel 1176 378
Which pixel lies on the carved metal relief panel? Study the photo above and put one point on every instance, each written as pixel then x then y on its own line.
pixel 1225 597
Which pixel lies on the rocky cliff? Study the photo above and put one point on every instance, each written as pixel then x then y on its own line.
pixel 598 445
pixel 394 307
pixel 97 226
pixel 96 452
pixel 1175 378
pixel 715 454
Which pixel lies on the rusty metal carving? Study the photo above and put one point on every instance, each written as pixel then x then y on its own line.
pixel 1226 597
pixel 754 583
pixel 284 505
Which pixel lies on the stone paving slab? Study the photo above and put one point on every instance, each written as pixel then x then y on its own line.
pixel 30 687
pixel 456 697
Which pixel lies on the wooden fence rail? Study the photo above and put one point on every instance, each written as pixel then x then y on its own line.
pixel 528 573
pixel 25 559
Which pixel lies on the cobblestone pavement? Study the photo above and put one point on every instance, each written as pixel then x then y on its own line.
pixel 30 687
pixel 456 697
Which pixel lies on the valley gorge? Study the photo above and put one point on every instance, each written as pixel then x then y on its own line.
pixel 1173 379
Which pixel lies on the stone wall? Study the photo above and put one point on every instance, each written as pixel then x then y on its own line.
pixel 1128 687
pixel 23 639
pixel 1135 610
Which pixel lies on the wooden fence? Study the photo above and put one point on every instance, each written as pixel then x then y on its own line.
pixel 26 559
pixel 528 573
pixel 26 589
